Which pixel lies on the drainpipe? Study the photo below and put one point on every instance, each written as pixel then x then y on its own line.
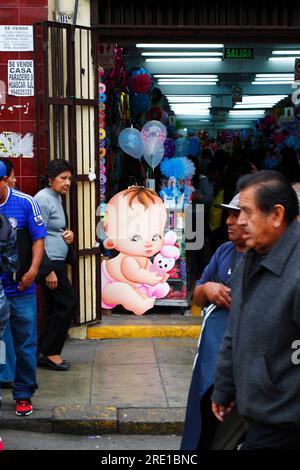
pixel 75 12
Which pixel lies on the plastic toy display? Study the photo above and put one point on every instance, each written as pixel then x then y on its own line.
pixel 134 226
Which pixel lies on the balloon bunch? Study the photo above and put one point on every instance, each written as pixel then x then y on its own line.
pixel 149 142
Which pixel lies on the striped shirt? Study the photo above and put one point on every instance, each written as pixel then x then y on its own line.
pixel 23 212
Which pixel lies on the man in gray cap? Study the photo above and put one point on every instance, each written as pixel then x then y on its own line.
pixel 213 291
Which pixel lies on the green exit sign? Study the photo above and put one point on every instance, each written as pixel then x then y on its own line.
pixel 238 53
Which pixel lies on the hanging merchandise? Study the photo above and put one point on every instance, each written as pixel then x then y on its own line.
pixel 140 80
pixel 102 133
pixel 169 146
pixel 125 107
pixel 181 168
pixel 139 103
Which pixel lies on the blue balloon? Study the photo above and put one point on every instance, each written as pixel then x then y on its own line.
pixel 194 146
pixel 131 143
pixel 181 147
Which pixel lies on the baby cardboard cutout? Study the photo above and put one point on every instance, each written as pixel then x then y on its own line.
pixel 134 226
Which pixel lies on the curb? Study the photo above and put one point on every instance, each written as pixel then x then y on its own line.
pixel 142 331
pixel 95 419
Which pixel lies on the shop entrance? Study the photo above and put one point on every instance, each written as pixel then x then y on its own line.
pixel 67 104
pixel 67 123
pixel 235 95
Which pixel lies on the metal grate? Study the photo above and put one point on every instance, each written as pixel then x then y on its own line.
pixel 67 105
pixel 200 12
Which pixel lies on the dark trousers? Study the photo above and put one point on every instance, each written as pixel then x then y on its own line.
pixel 259 437
pixel 60 305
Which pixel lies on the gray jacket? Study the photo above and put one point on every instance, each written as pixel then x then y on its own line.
pixel 255 365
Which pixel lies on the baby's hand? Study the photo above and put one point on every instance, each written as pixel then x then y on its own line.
pixel 165 277
pixel 154 279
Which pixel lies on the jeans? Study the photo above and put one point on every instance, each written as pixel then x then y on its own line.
pixel 23 329
pixel 4 317
pixel 7 370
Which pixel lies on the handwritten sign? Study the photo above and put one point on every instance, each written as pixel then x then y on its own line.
pixel 16 38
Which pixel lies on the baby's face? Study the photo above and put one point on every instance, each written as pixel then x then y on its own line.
pixel 137 231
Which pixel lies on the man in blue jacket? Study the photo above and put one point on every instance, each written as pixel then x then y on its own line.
pixel 212 291
pixel 258 367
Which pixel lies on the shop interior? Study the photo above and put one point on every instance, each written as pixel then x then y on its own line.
pixel 227 110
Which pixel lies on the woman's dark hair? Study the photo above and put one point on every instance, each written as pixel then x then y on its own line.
pixel 8 164
pixel 272 188
pixel 55 168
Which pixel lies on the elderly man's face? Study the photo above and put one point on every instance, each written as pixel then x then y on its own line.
pixel 260 230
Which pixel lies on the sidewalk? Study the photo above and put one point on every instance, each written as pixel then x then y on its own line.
pixel 130 385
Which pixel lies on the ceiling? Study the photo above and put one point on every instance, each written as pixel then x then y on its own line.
pixel 225 74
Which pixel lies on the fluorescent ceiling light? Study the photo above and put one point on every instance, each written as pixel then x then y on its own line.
pixel 265 98
pixel 181 46
pixel 182 54
pixel 275 79
pixel 188 99
pixel 246 118
pixel 186 59
pixel 196 80
pixel 168 82
pixel 277 82
pixel 190 105
pixel 241 113
pixel 189 108
pixel 185 76
pixel 282 59
pixel 254 106
pixel 204 120
pixel 186 110
pixel 290 52
pixel 275 75
pixel 193 113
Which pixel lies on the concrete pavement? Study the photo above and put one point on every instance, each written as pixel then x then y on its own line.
pixel 130 386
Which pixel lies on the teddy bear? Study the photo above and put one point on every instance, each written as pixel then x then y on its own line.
pixel 163 262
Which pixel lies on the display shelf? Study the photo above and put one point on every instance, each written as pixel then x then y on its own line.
pixel 178 286
pixel 173 302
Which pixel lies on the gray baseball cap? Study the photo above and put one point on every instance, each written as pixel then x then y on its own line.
pixel 233 204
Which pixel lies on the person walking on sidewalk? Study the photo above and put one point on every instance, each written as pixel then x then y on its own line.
pixel 25 217
pixel 58 295
pixel 212 291
pixel 7 373
pixel 8 263
pixel 258 364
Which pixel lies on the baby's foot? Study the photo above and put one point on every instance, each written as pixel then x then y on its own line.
pixel 145 305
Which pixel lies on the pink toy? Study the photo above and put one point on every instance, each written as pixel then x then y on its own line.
pixel 163 262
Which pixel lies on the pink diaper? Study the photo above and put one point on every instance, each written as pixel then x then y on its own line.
pixel 106 280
